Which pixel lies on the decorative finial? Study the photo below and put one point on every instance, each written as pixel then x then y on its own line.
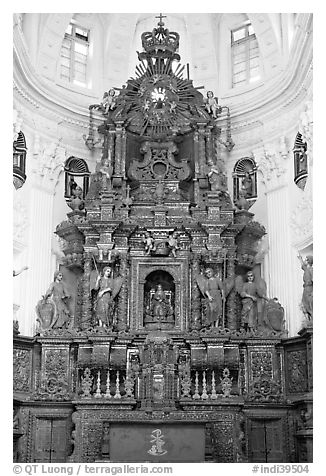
pixel 161 23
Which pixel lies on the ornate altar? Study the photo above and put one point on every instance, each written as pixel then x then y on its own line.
pixel 152 224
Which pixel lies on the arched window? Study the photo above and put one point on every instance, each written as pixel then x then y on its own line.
pixel 19 160
pixel 76 174
pixel 300 162
pixel 74 54
pixel 245 178
pixel 245 56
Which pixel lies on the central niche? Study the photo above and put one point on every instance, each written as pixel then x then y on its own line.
pixel 159 301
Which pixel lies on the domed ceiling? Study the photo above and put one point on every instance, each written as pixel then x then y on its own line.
pixel 204 45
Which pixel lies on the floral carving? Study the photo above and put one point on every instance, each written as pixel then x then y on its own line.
pixel 297 371
pixel 22 370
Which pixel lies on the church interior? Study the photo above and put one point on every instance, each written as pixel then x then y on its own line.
pixel 162 238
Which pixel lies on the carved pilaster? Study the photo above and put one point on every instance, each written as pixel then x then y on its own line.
pixel 86 320
pixel 201 149
pixel 195 294
pixel 209 145
pixel 123 152
pixel 122 316
pixel 110 145
pixel 118 149
pixel 231 305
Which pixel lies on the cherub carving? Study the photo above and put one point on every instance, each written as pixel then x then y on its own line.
pixel 149 243
pixel 109 101
pixel 212 106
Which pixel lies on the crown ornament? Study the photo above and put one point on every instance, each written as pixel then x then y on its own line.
pixel 160 43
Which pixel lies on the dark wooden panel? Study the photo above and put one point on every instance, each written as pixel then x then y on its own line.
pixel 157 443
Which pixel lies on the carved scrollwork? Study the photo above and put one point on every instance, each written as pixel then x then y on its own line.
pixel 22 370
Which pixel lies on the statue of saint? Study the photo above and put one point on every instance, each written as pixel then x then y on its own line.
pixel 52 310
pixel 77 202
pixel 307 295
pixel 247 185
pixel 160 308
pixel 212 289
pixel 108 289
pixel 251 293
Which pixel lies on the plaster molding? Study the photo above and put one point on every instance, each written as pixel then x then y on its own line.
pixel 17 123
pixel 20 219
pixel 301 221
pixel 306 128
pixel 47 162
pixel 270 159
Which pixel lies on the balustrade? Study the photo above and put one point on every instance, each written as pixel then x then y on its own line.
pixel 207 385
pixel 107 384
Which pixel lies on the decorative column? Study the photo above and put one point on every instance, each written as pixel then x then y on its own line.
pixel 195 294
pixel 201 148
pixel 122 316
pixel 123 152
pixel 110 145
pixel 231 308
pixel 196 161
pixel 209 145
pixel 118 148
pixel 86 319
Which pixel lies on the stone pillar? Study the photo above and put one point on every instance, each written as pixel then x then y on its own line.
pixel 195 294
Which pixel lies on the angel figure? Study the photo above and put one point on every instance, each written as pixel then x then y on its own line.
pixel 252 293
pixel 108 289
pixel 212 105
pixel 109 102
pixel 149 243
pixel 212 290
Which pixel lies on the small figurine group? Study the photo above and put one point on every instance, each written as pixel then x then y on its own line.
pixel 151 246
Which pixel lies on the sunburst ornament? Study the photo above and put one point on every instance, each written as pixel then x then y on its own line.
pixel 159 102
